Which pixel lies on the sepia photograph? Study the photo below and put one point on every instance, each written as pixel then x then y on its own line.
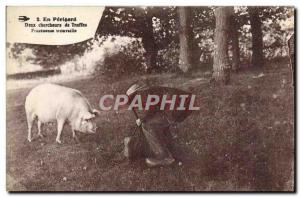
pixel 150 99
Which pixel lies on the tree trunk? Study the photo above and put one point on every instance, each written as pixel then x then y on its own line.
pixel 234 41
pixel 291 46
pixel 149 44
pixel 257 39
pixel 221 67
pixel 185 38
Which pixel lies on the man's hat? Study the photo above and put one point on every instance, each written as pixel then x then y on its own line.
pixel 134 88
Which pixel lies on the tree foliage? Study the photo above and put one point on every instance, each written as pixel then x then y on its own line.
pixel 158 28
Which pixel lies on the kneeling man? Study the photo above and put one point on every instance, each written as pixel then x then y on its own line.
pixel 155 122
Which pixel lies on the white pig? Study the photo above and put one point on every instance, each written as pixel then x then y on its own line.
pixel 51 102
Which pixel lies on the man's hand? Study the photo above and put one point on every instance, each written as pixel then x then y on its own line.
pixel 138 122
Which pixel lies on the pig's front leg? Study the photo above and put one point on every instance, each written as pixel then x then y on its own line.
pixel 60 126
pixel 40 129
pixel 74 135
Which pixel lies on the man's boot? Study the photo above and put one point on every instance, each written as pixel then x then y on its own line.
pixel 133 147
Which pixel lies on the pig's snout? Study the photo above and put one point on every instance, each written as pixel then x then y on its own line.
pixel 94 130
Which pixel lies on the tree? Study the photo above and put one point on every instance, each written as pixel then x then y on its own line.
pixel 221 66
pixel 132 22
pixel 148 41
pixel 257 38
pixel 234 41
pixel 158 29
pixel 185 38
pixel 49 56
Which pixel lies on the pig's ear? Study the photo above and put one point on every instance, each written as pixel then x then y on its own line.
pixel 88 115
pixel 96 112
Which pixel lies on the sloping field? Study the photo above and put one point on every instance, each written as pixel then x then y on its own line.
pixel 242 139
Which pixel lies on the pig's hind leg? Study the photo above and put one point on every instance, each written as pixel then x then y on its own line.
pixel 30 119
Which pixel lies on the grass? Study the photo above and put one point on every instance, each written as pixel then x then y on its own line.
pixel 242 139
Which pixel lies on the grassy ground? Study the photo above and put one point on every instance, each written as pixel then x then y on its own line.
pixel 242 139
